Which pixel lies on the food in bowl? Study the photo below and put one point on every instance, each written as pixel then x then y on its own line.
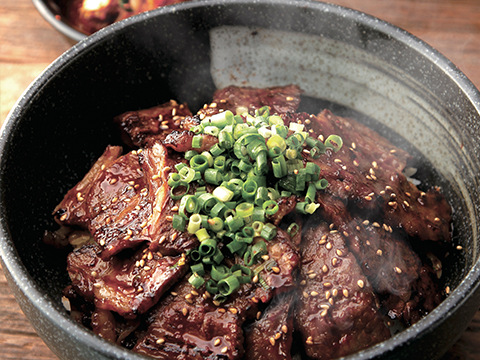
pixel 236 230
pixel 89 16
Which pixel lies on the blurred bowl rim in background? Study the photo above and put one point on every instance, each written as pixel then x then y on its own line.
pixel 50 15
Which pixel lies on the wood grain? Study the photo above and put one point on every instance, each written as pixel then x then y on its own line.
pixel 28 44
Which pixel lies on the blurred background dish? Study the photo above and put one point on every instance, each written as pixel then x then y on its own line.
pixel 77 19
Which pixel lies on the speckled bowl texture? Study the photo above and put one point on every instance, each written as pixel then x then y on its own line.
pixel 345 60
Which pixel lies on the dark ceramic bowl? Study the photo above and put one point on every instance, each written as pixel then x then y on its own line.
pixel 344 60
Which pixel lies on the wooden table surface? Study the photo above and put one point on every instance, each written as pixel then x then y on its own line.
pixel 28 44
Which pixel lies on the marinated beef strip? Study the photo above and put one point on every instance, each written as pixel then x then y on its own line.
pixel 181 141
pixel 407 286
pixel 129 286
pixel 145 127
pixel 367 171
pixel 126 202
pixel 337 312
pixel 189 324
pixel 280 99
pixel 270 336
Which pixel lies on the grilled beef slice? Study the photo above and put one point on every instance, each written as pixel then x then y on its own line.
pixel 270 336
pixel 385 256
pixel 337 312
pixel 126 201
pixel 367 172
pixel 280 100
pixel 145 127
pixel 189 324
pixel 128 286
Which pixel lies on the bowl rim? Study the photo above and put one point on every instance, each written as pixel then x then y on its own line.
pixel 17 272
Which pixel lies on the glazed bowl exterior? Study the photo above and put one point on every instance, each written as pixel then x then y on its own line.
pixel 343 59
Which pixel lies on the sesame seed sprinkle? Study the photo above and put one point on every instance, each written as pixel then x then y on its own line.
pixel 217 342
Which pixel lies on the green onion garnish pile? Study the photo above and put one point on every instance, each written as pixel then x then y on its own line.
pixel 245 192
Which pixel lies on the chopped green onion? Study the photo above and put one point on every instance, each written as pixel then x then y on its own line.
pixel 178 222
pixel 213 176
pixel 202 234
pixel 270 207
pixel 334 142
pixel 244 209
pixel 197 141
pixel 218 256
pixel 216 224
pixel 218 210
pixel 296 127
pixel 275 120
pixel 179 190
pixel 269 231
pixel 257 226
pixel 219 272
pixel 234 223
pixel 293 229
pixel 199 163
pixel 211 287
pixel 249 189
pixel 173 179
pixel 310 208
pixel 259 248
pixel 198 269
pixel 207 247
pixel 236 246
pixel 223 194
pixel 188 155
pixel 195 255
pixel 279 166
pixel 216 150
pixel 194 224
pixel 196 281
pixel 321 184
pixel 228 285
pixel 311 192
pixel 261 196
